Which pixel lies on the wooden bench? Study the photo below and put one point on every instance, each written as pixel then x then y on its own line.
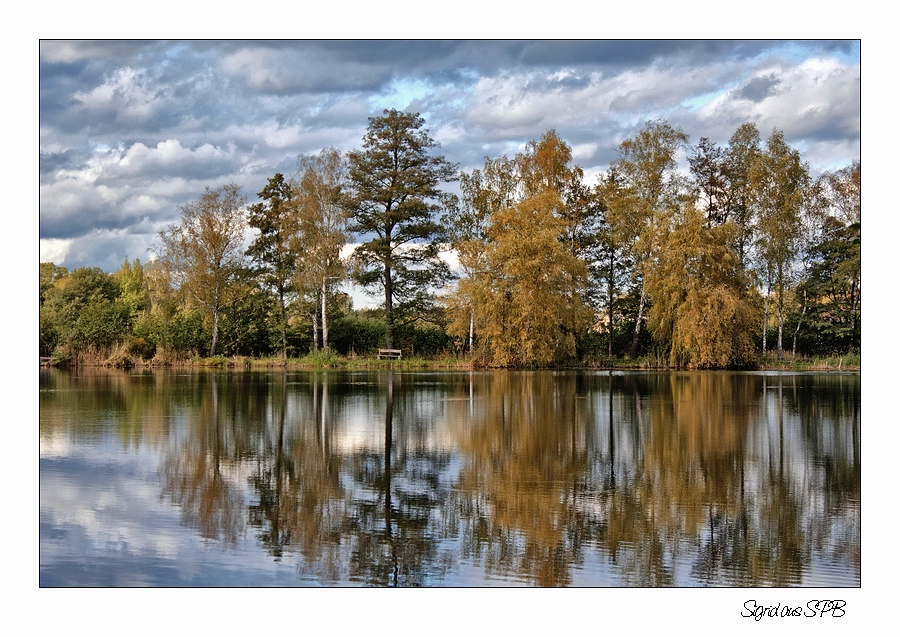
pixel 389 353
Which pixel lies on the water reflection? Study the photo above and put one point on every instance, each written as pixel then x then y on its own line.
pixel 421 479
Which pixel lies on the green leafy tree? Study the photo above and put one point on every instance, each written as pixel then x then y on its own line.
pixel 50 273
pixel 170 325
pixel 83 310
pixel 394 199
pixel 743 152
pixel 204 253
pixel 780 181
pixel 132 292
pixel 49 337
pixel 245 330
pixel 274 251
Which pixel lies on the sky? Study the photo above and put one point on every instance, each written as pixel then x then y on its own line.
pixel 131 130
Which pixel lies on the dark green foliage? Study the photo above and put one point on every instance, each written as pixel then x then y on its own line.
pixel 424 340
pixel 251 327
pixel 83 309
pixel 395 201
pixel 187 333
pixel 828 309
pixel 357 335
pixel 141 348
pixel 274 252
pixel 49 337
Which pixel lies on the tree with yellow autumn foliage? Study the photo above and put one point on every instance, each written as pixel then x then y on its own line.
pixel 701 300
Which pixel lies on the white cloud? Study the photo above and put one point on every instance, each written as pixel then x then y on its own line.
pixel 583 151
pixel 170 154
pixel 528 104
pixel 55 250
pixel 129 93
pixel 808 99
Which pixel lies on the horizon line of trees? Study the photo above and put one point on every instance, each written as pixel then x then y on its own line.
pixel 745 255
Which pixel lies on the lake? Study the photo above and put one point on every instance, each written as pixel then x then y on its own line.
pixel 458 478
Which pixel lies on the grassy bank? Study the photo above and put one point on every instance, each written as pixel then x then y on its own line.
pixel 330 360
pixel 847 362
pixel 844 362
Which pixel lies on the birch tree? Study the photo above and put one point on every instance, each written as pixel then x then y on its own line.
pixel 322 218
pixel 204 253
pixel 780 181
pixel 466 221
pixel 648 188
pixel 742 153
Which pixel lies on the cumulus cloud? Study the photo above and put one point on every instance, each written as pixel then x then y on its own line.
pixel 131 130
pixel 55 250
pixel 816 100
pixel 170 159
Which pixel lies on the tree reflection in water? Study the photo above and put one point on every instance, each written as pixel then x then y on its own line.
pixel 194 478
pixel 400 479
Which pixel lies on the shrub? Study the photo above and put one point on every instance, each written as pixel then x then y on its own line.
pixel 141 348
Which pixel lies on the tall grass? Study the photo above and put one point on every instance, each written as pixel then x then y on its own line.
pixel 322 359
pixel 803 363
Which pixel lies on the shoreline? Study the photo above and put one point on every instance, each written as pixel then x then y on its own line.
pixel 846 363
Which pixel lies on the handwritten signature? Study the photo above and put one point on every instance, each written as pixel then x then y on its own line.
pixel 813 608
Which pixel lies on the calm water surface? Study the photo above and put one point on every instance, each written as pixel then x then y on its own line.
pixel 384 478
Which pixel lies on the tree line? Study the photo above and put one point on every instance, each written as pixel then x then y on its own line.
pixel 743 256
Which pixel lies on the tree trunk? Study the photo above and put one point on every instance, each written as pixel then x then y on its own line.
pixel 315 325
pixel 637 325
pixel 324 318
pixel 471 331
pixel 765 327
pixel 854 300
pixel 780 310
pixel 797 329
pixel 388 308
pixel 215 331
pixel 611 280
pixel 283 322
